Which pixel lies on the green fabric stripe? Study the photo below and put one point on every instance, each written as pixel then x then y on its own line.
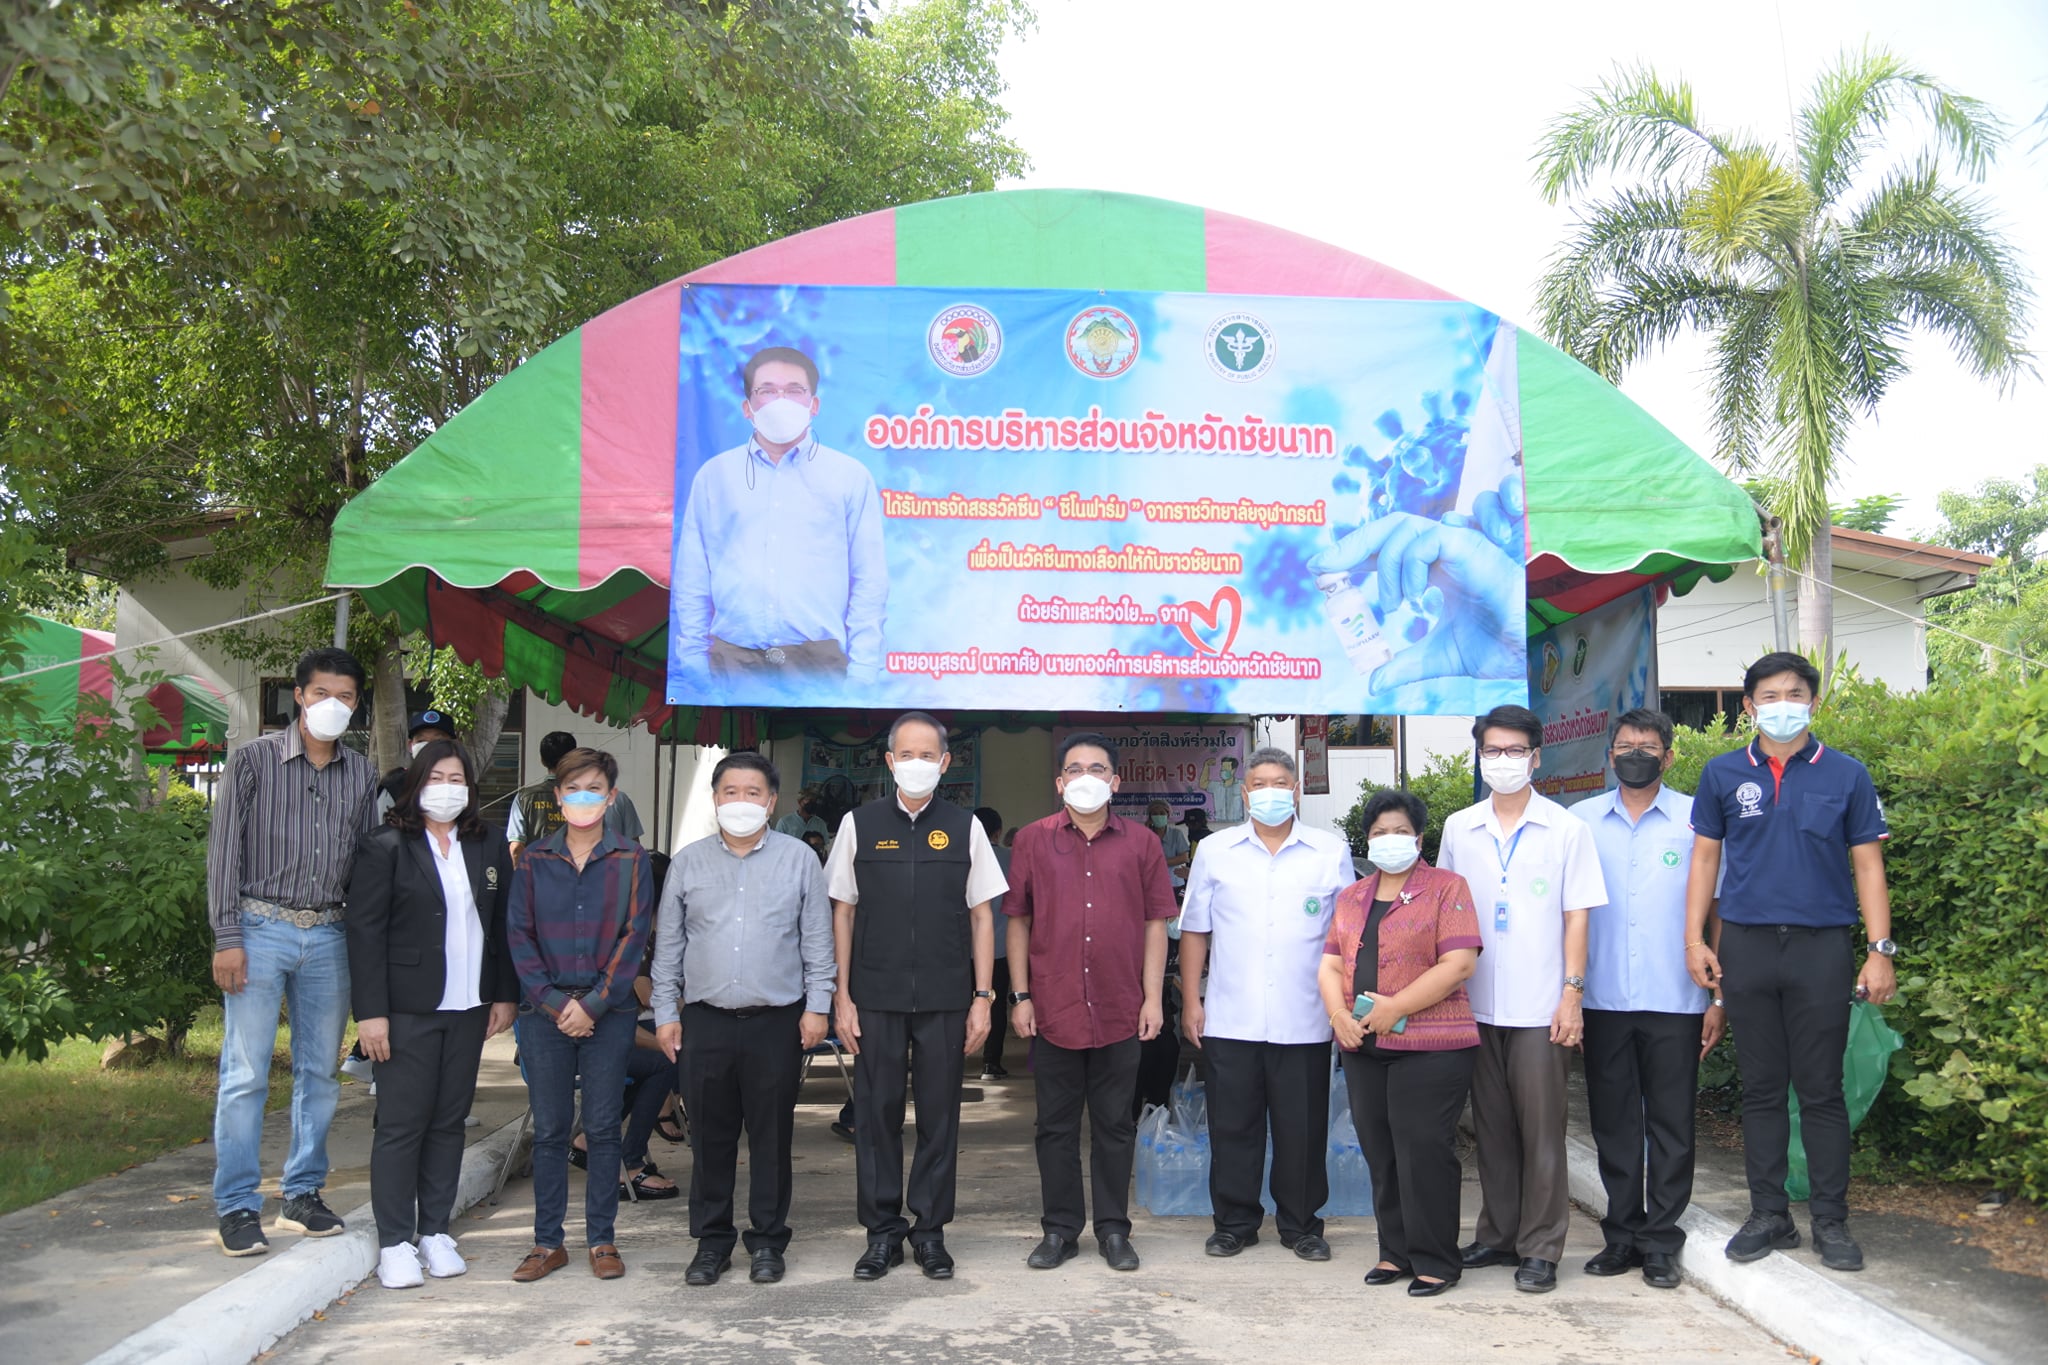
pixel 1052 239
pixel 511 459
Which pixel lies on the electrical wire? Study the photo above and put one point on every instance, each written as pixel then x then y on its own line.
pixel 182 635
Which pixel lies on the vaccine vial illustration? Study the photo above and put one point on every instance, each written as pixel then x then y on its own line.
pixel 1353 620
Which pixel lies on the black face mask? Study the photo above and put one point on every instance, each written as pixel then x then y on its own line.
pixel 1638 770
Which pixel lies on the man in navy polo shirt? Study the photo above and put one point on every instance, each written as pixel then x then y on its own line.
pixel 1802 831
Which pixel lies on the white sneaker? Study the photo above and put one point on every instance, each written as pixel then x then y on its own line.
pixel 470 1121
pixel 399 1267
pixel 443 1262
pixel 362 1068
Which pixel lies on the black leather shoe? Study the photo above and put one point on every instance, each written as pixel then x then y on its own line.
pixel 1762 1234
pixel 708 1264
pixel 1478 1256
pixel 1838 1250
pixel 874 1263
pixel 1615 1261
pixel 1228 1243
pixel 1117 1250
pixel 1428 1289
pixel 1052 1253
pixel 767 1267
pixel 842 1131
pixel 1660 1270
pixel 1308 1246
pixel 1536 1276
pixel 1380 1274
pixel 935 1260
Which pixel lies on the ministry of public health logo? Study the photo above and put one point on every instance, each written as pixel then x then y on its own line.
pixel 1240 347
pixel 1751 798
pixel 1102 342
pixel 964 340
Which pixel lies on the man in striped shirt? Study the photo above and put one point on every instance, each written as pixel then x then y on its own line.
pixel 291 808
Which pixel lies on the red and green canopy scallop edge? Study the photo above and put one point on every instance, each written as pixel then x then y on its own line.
pixel 532 531
pixel 192 713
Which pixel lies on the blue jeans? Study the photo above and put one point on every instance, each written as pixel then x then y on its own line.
pixel 307 971
pixel 553 1061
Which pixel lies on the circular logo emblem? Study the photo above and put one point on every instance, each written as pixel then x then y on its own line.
pixel 1538 885
pixel 1312 906
pixel 1751 798
pixel 1240 347
pixel 937 839
pixel 964 340
pixel 1671 857
pixel 1102 342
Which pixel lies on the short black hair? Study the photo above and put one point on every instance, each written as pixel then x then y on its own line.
pixel 1782 661
pixel 405 810
pixel 1509 718
pixel 553 746
pixel 329 659
pixel 1195 815
pixel 1644 718
pixel 918 718
pixel 1085 739
pixel 1393 798
pixel 991 820
pixel 773 355
pixel 1231 759
pixel 747 760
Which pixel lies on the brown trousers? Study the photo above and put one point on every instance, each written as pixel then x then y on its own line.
pixel 1518 1118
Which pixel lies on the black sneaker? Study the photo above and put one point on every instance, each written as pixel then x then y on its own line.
pixel 1761 1234
pixel 241 1234
pixel 308 1214
pixel 1838 1250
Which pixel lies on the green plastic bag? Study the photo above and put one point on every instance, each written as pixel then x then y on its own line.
pixel 1864 1066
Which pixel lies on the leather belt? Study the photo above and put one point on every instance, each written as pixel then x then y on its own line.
pixel 310 918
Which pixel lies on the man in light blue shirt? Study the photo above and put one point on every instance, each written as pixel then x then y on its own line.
pixel 780 574
pixel 1647 1024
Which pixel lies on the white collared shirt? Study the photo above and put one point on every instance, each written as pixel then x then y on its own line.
pixel 1554 867
pixel 462 932
pixel 1266 915
pixel 985 879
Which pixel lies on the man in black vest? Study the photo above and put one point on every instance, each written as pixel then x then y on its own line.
pixel 911 879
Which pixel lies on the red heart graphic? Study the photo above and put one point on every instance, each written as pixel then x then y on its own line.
pixel 1207 616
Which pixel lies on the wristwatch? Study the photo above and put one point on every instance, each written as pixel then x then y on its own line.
pixel 1019 997
pixel 1884 947
pixel 1576 983
pixel 984 995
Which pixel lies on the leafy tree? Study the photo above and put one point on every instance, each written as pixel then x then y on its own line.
pixel 2009 606
pixel 2003 518
pixel 1807 266
pixel 1871 513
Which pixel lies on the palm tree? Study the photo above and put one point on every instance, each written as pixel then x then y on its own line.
pixel 1806 266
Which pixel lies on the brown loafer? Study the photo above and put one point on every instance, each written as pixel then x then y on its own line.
pixel 605 1262
pixel 540 1262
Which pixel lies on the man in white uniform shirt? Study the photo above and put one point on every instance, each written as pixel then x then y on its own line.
pixel 1264 891
pixel 1535 874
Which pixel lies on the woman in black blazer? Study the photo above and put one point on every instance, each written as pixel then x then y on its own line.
pixel 430 977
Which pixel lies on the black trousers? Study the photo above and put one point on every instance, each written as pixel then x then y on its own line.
pixel 650 1079
pixel 1642 1074
pixel 1787 991
pixel 893 1044
pixel 1103 1079
pixel 1405 1106
pixel 999 1017
pixel 1252 1085
pixel 741 1073
pixel 423 1094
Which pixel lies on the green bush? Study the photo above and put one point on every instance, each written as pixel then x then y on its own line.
pixel 1445 787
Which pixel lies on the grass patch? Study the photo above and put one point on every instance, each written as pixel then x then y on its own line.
pixel 63 1121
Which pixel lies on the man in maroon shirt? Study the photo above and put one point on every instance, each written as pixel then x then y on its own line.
pixel 1088 905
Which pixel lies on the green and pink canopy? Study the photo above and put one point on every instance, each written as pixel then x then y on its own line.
pixel 532 533
pixel 192 714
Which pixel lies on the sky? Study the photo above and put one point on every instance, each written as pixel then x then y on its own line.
pixel 1405 132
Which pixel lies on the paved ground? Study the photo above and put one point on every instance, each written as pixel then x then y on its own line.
pixel 1182 1305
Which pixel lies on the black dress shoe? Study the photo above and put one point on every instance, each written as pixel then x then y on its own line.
pixel 708 1264
pixel 1426 1289
pixel 1614 1261
pixel 1228 1243
pixel 842 1131
pixel 1660 1270
pixel 1838 1250
pixel 874 1263
pixel 1308 1246
pixel 1478 1255
pixel 1537 1276
pixel 1380 1274
pixel 933 1258
pixel 1117 1250
pixel 1052 1253
pixel 1761 1234
pixel 767 1267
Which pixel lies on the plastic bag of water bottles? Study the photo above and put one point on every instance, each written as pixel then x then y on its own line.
pixel 1172 1157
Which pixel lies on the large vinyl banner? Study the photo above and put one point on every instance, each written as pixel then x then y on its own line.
pixel 1582 676
pixel 1095 501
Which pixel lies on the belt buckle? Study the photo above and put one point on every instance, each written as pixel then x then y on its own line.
pixel 305 919
pixel 776 654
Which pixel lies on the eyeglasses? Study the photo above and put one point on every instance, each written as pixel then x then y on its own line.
pixel 1073 770
pixel 1626 750
pixel 1512 751
pixel 764 393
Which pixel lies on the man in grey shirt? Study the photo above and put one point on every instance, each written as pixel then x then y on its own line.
pixel 743 941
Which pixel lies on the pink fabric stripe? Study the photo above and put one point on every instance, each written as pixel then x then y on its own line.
pixel 630 364
pixel 1251 258
pixel 858 251
pixel 95 679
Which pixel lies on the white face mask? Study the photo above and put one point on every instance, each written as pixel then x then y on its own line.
pixel 1087 795
pixel 1392 853
pixel 1505 775
pixel 328 718
pixel 915 777
pixel 741 819
pixel 781 420
pixel 444 801
pixel 417 745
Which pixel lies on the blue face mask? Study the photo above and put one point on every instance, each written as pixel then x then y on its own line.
pixel 1783 721
pixel 1271 805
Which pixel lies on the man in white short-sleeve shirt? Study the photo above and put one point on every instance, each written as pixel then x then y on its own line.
pixel 1535 874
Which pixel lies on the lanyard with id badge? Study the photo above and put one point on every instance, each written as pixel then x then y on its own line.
pixel 1500 902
